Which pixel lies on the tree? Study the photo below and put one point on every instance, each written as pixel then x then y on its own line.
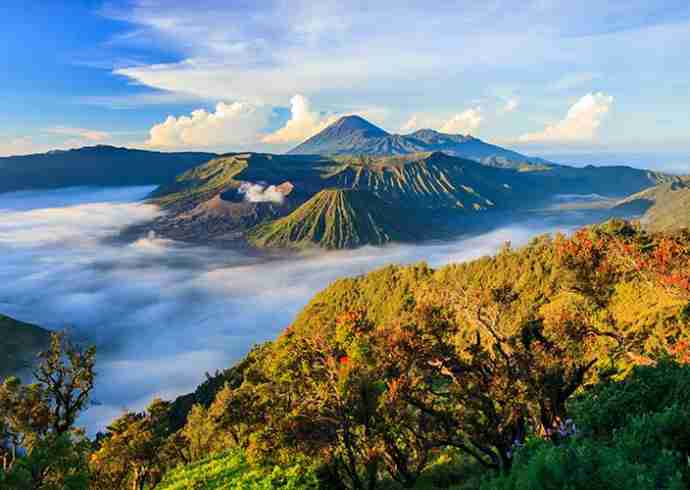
pixel 38 419
pixel 135 451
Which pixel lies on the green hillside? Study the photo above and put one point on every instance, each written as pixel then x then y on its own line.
pixel 562 364
pixel 427 180
pixel 210 202
pixel 334 219
pixel 231 470
pixel 665 207
pixel 575 347
pixel 19 343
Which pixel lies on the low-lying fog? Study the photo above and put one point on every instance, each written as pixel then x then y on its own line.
pixel 162 313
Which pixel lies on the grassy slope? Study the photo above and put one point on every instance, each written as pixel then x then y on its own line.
pixel 333 219
pixel 20 343
pixel 231 470
pixel 427 180
pixel 666 207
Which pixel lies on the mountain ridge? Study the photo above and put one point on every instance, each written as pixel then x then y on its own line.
pixel 418 189
pixel 100 165
pixel 354 135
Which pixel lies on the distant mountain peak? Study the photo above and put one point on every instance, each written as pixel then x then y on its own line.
pixel 433 137
pixel 354 124
pixel 354 135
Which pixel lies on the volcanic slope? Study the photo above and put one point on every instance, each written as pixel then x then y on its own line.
pixel 353 135
pixel 212 201
pixel 334 219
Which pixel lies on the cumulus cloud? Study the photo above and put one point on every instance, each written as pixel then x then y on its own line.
pixel 82 133
pixel 412 124
pixel 261 193
pixel 466 122
pixel 303 123
pixel 162 313
pixel 511 105
pixel 580 123
pixel 239 123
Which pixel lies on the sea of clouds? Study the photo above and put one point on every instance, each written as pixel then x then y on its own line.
pixel 163 313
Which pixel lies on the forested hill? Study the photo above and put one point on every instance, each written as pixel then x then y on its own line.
pixel 19 344
pixel 481 361
pixel 562 364
pixel 94 166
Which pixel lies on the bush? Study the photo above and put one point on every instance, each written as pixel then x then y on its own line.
pixel 634 434
pixel 647 389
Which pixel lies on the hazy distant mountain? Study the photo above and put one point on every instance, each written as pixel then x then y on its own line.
pixel 353 135
pixel 94 165
pixel 19 344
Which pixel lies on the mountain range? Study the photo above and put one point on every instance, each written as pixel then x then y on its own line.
pixel 351 195
pixel 94 166
pixel 349 185
pixel 353 135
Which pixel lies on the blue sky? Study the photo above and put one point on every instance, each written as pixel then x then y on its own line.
pixel 542 76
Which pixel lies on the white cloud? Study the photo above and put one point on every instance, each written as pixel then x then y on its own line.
pixel 580 123
pixel 303 123
pixel 412 124
pixel 239 123
pixel 261 193
pixel 511 105
pixel 81 133
pixel 463 122
pixel 466 122
pixel 573 80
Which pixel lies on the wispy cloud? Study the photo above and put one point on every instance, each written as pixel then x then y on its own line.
pixel 135 101
pixel 81 133
pixel 18 146
pixel 573 80
pixel 467 121
pixel 510 105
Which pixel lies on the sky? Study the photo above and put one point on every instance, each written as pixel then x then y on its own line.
pixel 593 79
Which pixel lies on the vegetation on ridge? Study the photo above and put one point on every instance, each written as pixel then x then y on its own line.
pixel 19 344
pixel 561 364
